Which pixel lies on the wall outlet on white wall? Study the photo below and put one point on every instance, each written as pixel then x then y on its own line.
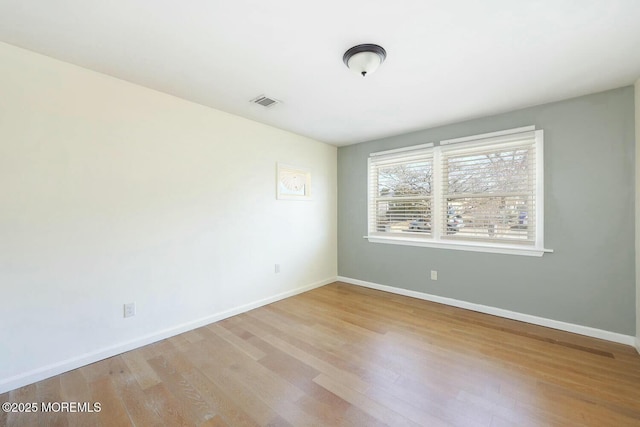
pixel 434 275
pixel 277 268
pixel 130 309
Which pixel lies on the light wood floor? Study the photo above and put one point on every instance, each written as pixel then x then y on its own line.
pixel 344 355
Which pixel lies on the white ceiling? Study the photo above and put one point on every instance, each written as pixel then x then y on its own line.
pixel 447 61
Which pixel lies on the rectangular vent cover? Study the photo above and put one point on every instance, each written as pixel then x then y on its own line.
pixel 265 101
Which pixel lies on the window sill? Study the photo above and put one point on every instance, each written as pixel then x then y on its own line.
pixel 461 246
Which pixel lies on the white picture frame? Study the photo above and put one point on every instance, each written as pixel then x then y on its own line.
pixel 292 182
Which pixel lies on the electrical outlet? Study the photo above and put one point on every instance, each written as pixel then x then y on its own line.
pixel 130 309
pixel 434 275
pixel 277 268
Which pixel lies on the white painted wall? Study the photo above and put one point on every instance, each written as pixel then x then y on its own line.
pixel 112 193
pixel 637 105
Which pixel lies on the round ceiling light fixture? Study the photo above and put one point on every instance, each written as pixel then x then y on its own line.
pixel 365 58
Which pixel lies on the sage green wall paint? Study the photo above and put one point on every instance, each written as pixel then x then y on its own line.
pixel 589 220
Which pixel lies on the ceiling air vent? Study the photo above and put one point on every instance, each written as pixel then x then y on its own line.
pixel 265 101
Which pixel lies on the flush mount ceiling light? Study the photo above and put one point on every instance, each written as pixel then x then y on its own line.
pixel 364 59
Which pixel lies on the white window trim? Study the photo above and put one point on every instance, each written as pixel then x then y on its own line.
pixel 401 150
pixel 435 241
pixel 495 248
pixel 488 135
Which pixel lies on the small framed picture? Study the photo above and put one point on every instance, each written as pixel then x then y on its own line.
pixel 293 183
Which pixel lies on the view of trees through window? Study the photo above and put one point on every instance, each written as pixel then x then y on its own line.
pixel 484 194
pixel 491 193
pixel 404 196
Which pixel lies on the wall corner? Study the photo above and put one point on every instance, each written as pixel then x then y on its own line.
pixel 637 204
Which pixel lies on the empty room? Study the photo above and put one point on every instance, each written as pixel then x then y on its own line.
pixel 362 213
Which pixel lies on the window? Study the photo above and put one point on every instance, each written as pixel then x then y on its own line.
pixel 479 193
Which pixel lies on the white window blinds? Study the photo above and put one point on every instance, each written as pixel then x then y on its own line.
pixel 485 190
pixel 489 191
pixel 401 192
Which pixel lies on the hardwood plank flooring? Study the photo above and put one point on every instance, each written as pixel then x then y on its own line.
pixel 342 355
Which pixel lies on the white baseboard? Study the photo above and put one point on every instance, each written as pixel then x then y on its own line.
pixel 549 323
pixel 39 374
pixel 638 343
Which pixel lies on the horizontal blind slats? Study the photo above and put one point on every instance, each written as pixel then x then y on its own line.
pixel 487 191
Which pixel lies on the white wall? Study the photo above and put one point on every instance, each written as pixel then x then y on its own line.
pixel 637 105
pixel 112 193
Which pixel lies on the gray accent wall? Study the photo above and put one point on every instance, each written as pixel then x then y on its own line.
pixel 588 280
